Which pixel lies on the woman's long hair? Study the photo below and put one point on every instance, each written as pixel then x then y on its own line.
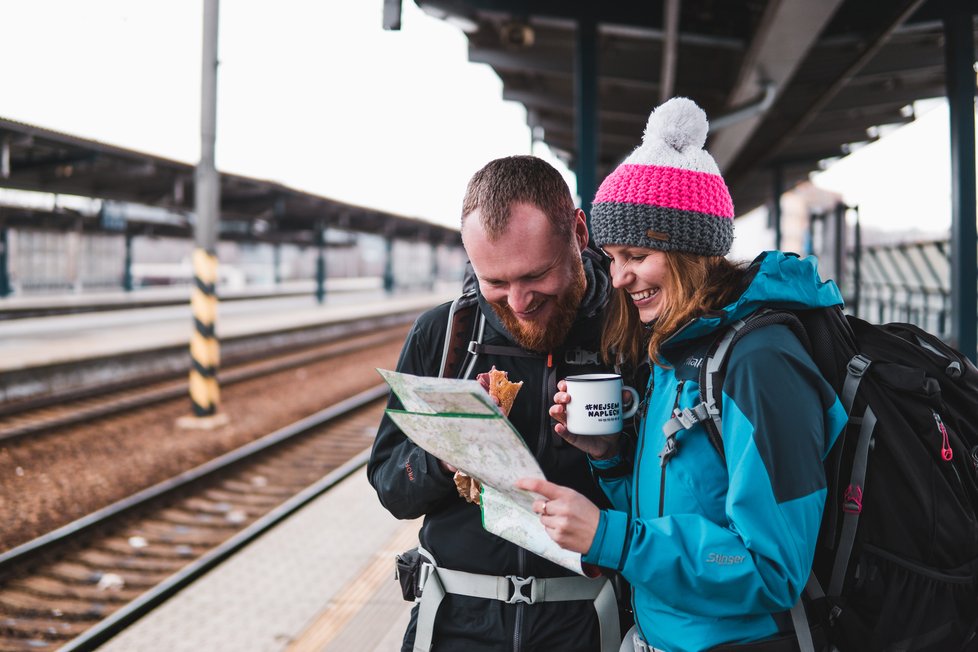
pixel 695 285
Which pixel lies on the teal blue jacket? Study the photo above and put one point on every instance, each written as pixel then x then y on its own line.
pixel 713 550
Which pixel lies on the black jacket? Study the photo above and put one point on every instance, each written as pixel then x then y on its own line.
pixel 410 484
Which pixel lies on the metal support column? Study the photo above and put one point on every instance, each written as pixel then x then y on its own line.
pixel 320 263
pixel 777 189
pixel 277 263
pixel 389 264
pixel 392 15
pixel 959 53
pixel 586 110
pixel 857 264
pixel 127 263
pixel 670 48
pixel 5 288
pixel 434 265
pixel 839 246
pixel 204 349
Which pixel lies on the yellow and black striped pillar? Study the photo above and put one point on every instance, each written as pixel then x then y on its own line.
pixel 204 350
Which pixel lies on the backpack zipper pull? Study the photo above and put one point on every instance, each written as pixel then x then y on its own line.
pixel 946 453
pixel 550 360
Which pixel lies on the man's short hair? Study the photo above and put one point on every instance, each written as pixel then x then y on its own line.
pixel 519 179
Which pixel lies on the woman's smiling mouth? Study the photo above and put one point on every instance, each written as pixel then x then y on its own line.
pixel 639 297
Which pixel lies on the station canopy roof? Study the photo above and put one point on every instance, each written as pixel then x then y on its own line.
pixel 814 77
pixel 42 160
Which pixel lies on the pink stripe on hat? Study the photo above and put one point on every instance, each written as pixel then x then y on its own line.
pixel 669 187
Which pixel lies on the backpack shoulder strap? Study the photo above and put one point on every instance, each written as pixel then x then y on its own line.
pixel 714 367
pixel 465 324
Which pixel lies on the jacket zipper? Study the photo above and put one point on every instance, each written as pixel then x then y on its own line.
pixel 638 456
pixel 541 448
pixel 518 622
pixel 947 453
pixel 668 452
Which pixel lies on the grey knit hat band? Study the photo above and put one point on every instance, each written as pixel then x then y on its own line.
pixel 657 227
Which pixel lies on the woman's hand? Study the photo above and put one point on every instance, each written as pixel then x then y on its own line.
pixel 599 447
pixel 569 518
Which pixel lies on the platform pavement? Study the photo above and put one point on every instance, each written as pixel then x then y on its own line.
pixel 26 343
pixel 321 581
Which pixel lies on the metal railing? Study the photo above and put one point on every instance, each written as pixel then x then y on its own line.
pixel 907 281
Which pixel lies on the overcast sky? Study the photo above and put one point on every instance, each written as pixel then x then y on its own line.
pixel 315 95
pixel 312 93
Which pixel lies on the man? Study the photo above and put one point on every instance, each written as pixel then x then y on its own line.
pixel 541 291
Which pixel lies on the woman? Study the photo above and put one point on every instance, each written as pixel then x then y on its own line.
pixel 716 549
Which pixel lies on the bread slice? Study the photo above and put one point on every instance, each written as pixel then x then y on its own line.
pixel 502 389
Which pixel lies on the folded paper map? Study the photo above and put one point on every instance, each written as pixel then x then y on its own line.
pixel 457 422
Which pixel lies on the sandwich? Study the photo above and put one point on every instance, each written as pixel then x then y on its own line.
pixel 502 390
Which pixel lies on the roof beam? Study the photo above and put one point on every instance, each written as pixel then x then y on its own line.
pixel 786 33
pixel 620 13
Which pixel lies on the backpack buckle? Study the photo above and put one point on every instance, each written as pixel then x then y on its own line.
pixel 858 365
pixel 580 357
pixel 518 584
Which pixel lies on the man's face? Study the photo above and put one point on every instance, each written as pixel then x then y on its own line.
pixel 533 279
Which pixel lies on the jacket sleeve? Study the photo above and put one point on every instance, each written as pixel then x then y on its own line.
pixel 409 481
pixel 779 420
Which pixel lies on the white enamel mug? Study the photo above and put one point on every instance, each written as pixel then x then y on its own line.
pixel 595 407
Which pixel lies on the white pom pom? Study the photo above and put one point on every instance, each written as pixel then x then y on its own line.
pixel 679 123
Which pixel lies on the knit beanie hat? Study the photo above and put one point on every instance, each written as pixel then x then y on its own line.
pixel 668 194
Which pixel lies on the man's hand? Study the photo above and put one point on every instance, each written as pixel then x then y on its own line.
pixel 446 467
pixel 569 518
pixel 600 447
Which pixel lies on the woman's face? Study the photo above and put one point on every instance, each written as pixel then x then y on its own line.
pixel 643 274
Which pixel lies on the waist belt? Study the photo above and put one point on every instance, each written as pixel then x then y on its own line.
pixel 436 582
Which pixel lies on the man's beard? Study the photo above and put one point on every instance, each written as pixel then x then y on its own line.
pixel 546 336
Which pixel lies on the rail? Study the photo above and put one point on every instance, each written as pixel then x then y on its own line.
pixel 153 501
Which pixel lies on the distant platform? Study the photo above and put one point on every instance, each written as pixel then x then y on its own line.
pixel 39 305
pixel 34 342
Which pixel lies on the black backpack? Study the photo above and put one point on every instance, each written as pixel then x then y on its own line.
pixel 896 566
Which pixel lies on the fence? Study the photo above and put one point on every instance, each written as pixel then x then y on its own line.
pixel 902 282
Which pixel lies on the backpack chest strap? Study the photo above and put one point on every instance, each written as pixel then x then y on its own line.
pixel 477 348
pixel 685 419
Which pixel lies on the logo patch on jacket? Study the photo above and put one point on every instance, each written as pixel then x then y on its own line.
pixel 724 560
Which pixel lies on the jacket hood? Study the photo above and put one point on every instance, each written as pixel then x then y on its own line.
pixel 598 286
pixel 777 280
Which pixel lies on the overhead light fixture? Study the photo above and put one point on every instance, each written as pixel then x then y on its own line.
pixel 516 35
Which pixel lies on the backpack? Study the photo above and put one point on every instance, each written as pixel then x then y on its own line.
pixel 896 565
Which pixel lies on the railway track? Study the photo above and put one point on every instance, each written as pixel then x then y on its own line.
pixel 76 587
pixel 43 415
